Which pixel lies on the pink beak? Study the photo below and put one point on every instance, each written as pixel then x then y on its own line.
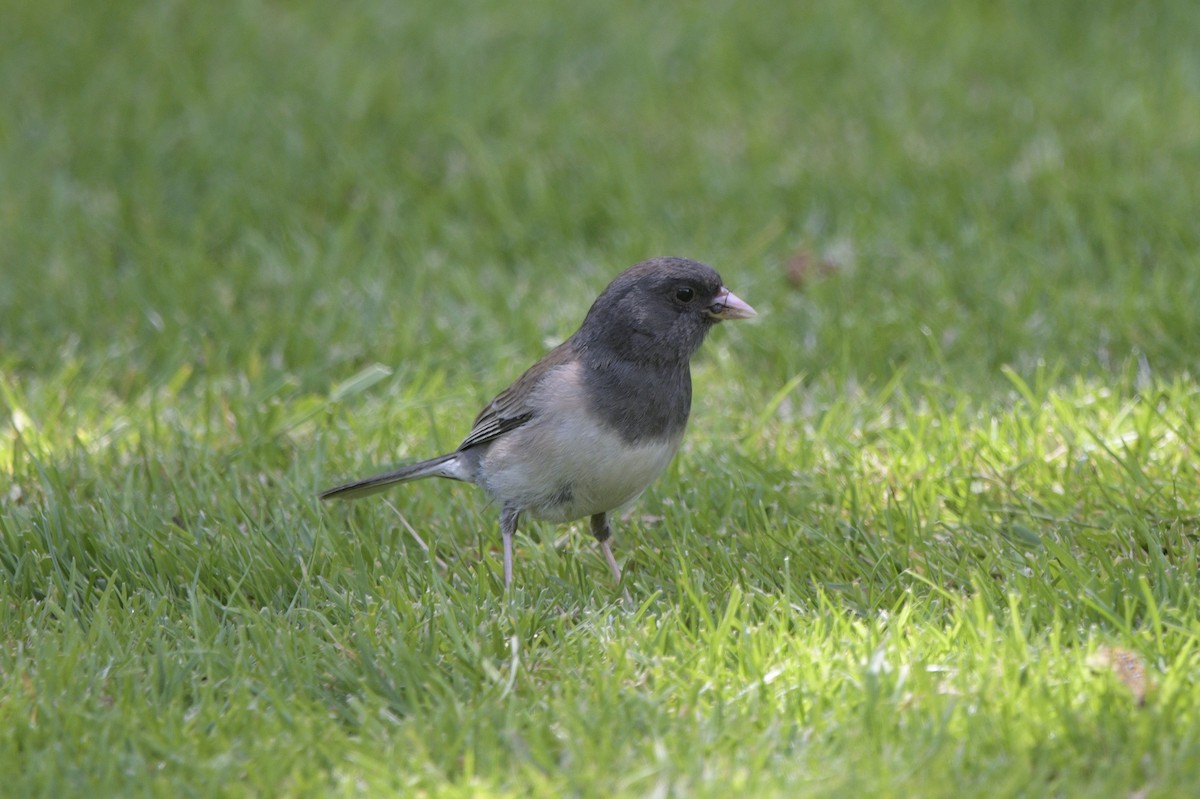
pixel 730 306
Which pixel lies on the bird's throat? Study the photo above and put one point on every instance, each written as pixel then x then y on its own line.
pixel 642 403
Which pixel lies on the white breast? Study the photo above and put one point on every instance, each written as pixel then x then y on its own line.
pixel 565 464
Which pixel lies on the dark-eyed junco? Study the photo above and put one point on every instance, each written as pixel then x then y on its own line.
pixel 588 427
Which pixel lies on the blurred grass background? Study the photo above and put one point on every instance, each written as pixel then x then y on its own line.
pixel 248 249
pixel 991 184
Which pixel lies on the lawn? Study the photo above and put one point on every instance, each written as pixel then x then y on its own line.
pixel 935 528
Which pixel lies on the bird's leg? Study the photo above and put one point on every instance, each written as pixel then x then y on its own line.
pixel 508 528
pixel 602 532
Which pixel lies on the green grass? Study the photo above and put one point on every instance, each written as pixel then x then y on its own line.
pixel 930 502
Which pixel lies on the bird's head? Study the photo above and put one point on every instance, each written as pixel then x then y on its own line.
pixel 659 311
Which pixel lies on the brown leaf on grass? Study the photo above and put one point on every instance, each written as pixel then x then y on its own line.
pixel 804 267
pixel 1127 666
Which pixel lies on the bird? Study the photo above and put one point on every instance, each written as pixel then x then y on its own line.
pixel 585 430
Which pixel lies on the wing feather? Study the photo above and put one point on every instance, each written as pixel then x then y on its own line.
pixel 512 407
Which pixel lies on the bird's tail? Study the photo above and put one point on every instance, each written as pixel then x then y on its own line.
pixel 442 466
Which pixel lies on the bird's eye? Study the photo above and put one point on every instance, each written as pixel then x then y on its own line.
pixel 685 294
